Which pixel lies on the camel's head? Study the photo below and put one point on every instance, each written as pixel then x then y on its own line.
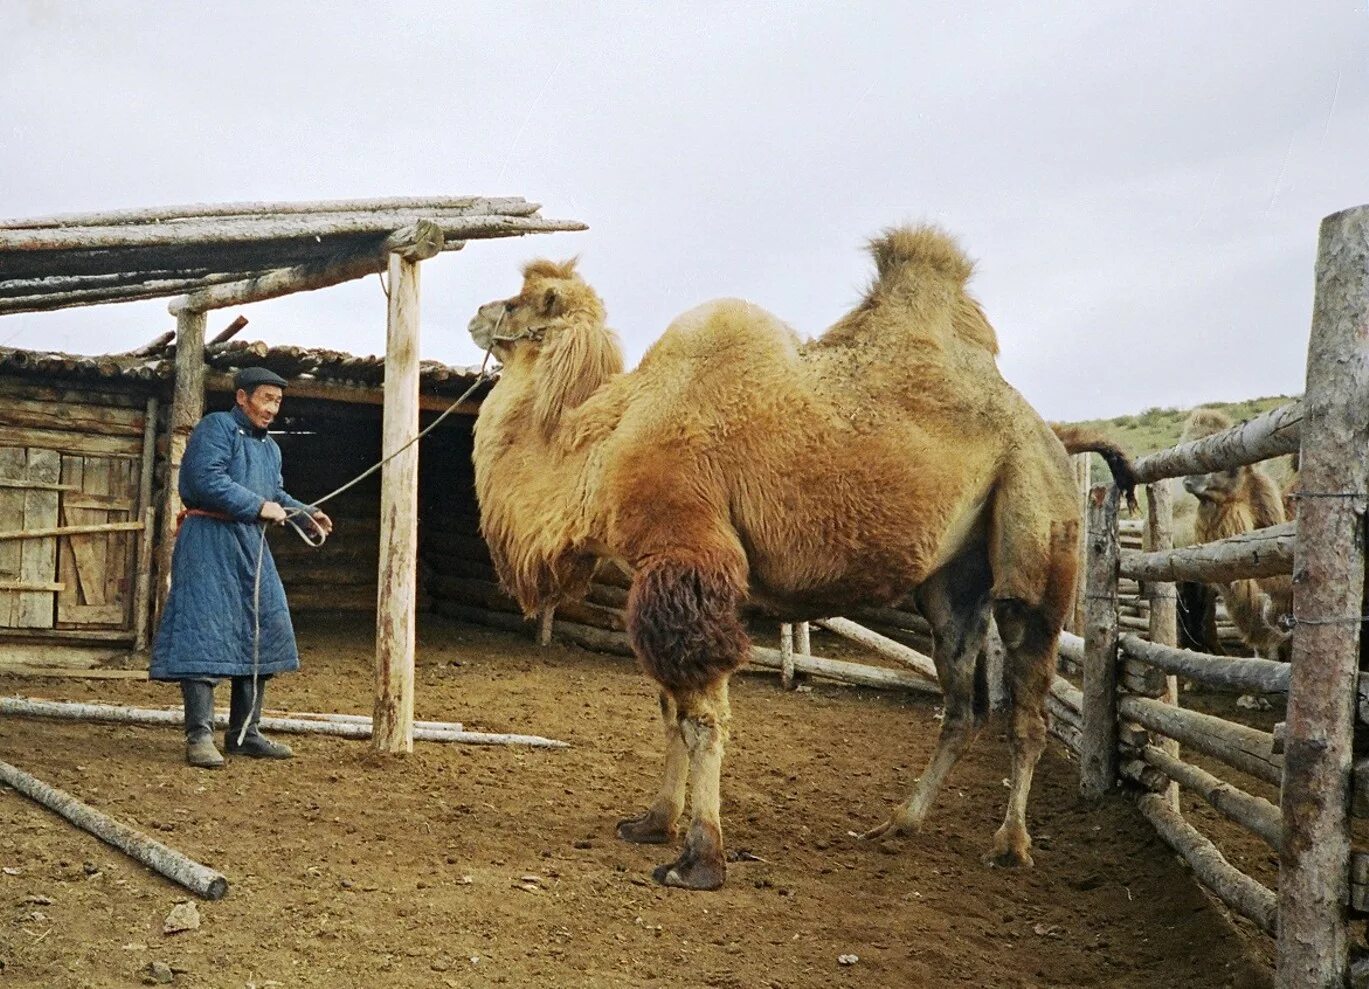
pixel 554 300
pixel 554 331
pixel 1221 485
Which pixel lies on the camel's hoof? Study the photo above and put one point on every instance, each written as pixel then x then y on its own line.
pixel 889 829
pixel 645 830
pixel 687 872
pixel 1004 855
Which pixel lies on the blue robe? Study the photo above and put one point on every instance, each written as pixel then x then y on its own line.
pixel 207 628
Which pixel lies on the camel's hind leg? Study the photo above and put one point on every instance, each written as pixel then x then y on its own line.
pixel 704 717
pixel 657 825
pixel 1029 642
pixel 955 600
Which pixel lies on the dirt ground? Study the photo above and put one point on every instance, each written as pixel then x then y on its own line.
pixel 476 866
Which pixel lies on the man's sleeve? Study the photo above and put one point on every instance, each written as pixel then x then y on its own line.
pixel 205 481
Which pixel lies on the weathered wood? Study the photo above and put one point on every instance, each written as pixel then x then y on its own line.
pixel 47 586
pixel 147 546
pixel 1272 434
pixel 1253 813
pixel 1247 749
pixel 25 484
pixel 398 574
pixel 1084 482
pixel 1233 887
pixel 187 407
pixel 154 346
pixel 787 680
pixel 803 641
pixel 459 205
pixel 102 420
pixel 70 530
pixel 152 853
pixel 995 657
pixel 1313 938
pixel 545 621
pixel 1162 599
pixel 882 644
pixel 1259 553
pixel 1098 756
pixel 229 331
pixel 892 617
pixel 1244 676
pixel 65 441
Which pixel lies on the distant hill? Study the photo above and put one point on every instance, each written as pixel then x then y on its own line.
pixel 1156 428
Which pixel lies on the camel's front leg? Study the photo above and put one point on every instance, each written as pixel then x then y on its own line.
pixel 704 719
pixel 657 825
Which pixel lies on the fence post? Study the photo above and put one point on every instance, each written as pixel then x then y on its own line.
pixel 1328 580
pixel 1164 611
pixel 1098 746
pixel 1083 483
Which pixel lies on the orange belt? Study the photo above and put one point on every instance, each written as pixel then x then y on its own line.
pixel 180 517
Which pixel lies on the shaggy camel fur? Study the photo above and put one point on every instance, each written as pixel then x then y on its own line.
pixel 1231 502
pixel 887 460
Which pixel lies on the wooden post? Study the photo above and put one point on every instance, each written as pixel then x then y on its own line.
pixel 803 642
pixel 1164 605
pixel 1328 581
pixel 544 625
pixel 398 578
pixel 1098 747
pixel 142 603
pixel 787 656
pixel 187 408
pixel 1081 479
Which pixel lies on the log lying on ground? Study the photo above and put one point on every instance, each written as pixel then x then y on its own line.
pixel 881 644
pixel 31 707
pixel 1261 553
pixel 170 863
pixel 1273 434
pixel 1221 672
pixel 1230 885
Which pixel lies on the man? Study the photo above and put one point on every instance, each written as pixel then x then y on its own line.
pixel 231 485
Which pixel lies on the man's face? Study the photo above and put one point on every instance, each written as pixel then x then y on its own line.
pixel 262 405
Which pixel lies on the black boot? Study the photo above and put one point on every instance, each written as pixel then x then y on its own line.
pixel 242 711
pixel 199 724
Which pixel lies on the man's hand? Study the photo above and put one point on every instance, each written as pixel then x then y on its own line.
pixel 324 523
pixel 272 511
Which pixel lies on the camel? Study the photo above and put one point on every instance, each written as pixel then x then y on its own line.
pixel 1231 502
pixel 887 460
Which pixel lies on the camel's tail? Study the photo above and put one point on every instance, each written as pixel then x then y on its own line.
pixel 1080 440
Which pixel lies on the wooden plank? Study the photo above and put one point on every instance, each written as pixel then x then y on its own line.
pixel 32 586
pixel 1222 672
pixel 14 466
pixel 19 535
pixel 39 655
pixel 77 443
pixel 131 395
pixel 103 420
pixel 99 502
pixel 25 484
pixel 1247 749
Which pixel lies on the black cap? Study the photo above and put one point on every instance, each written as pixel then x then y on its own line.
pixel 250 377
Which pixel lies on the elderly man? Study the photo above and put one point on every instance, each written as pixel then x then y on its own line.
pixel 211 628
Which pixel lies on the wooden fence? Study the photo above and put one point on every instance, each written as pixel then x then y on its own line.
pixel 1131 726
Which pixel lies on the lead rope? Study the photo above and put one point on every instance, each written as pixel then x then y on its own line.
pixel 322 536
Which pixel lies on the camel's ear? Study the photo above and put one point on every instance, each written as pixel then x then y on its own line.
pixel 551 301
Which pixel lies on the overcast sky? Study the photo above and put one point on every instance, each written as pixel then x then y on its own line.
pixel 1141 184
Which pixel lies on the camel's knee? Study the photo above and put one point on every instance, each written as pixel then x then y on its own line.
pixel 683 622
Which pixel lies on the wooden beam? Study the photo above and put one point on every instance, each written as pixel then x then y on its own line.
pixel 142 589
pixel 883 645
pixel 398 574
pixel 1255 814
pixel 1270 435
pixel 1265 676
pixel 1098 756
pixel 229 331
pixel 187 408
pixel 1260 553
pixel 69 530
pixel 418 238
pixel 1247 749
pixel 1328 606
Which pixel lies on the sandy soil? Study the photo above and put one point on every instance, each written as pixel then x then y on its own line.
pixel 471 866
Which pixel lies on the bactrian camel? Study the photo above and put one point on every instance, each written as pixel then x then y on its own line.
pixel 885 461
pixel 1231 502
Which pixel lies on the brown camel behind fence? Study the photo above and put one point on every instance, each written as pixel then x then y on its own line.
pixel 887 460
pixel 1232 502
